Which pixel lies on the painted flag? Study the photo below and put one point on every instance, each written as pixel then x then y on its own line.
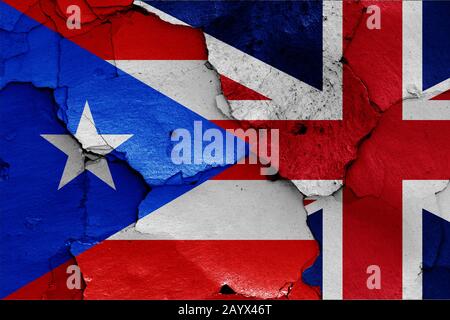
pixel 354 105
pixel 83 144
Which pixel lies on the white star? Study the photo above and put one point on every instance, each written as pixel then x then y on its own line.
pixel 90 157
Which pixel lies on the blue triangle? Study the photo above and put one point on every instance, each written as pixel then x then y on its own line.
pixel 313 276
pixel 436 256
pixel 284 34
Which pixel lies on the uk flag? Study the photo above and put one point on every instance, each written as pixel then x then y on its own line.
pixel 360 204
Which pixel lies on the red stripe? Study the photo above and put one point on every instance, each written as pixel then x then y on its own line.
pixel 372 233
pixel 121 32
pixel 443 96
pixel 308 201
pixel 177 269
pixel 194 269
pixel 235 91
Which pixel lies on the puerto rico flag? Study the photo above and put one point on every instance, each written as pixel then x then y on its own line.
pixel 93 206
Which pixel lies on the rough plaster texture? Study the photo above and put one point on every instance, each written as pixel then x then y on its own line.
pixel 357 154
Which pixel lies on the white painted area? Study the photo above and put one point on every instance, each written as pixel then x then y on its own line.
pixel 227 210
pixel 443 199
pixel 254 109
pixel 417 104
pixel 419 195
pixel 191 83
pixel 317 187
pixel 412 48
pixel 332 243
pixel 422 108
pixel 292 98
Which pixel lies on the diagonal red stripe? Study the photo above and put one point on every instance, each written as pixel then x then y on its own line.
pixel 235 91
pixel 443 96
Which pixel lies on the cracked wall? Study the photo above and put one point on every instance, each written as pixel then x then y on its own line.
pixel 356 156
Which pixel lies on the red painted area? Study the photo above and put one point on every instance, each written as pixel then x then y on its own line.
pixel 314 150
pixel 372 226
pixel 121 32
pixel 308 201
pixel 235 91
pixel 443 96
pixel 50 286
pixel 190 269
pixel 195 269
pixel 375 56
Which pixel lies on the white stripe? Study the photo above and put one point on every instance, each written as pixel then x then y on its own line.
pixel 332 243
pixel 438 88
pixel 416 103
pixel 417 195
pixel 424 109
pixel 227 210
pixel 293 98
pixel 412 48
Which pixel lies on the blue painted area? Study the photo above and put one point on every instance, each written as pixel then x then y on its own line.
pixel 313 275
pixel 284 34
pixel 42 226
pixel 30 57
pixel 436 256
pixel 436 42
pixel 8 17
